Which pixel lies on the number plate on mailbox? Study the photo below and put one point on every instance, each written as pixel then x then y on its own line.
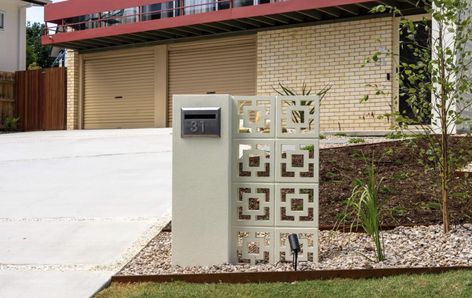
pixel 201 122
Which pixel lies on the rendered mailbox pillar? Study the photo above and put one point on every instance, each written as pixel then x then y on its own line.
pixel 201 186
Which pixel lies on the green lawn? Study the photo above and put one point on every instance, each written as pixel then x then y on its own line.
pixel 453 284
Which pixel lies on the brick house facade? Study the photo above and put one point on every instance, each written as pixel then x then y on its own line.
pixel 315 53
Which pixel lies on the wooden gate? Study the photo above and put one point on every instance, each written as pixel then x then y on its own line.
pixel 41 99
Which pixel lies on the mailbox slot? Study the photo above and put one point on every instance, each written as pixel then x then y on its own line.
pixel 201 122
pixel 200 116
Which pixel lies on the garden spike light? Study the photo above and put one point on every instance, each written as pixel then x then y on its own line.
pixel 295 248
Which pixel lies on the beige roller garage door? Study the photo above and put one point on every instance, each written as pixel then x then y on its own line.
pixel 119 90
pixel 225 65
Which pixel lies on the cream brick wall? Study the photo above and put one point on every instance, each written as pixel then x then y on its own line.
pixel 317 55
pixel 332 53
pixel 72 64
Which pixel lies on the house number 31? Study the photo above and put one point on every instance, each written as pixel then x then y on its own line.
pixel 195 126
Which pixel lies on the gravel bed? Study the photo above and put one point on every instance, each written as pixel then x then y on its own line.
pixel 422 246
pixel 332 141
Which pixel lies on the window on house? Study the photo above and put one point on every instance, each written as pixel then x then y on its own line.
pixel 408 56
pixel 2 20
pixel 159 11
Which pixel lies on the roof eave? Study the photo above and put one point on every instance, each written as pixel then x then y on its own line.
pixel 38 2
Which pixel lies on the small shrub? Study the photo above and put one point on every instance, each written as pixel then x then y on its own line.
pixel 398 211
pixel 386 190
pixel 322 137
pixel 388 152
pixel 401 175
pixel 394 135
pixel 356 141
pixel 310 148
pixel 363 206
pixel 357 155
pixel 433 206
pixel 343 217
pixel 330 176
pixel 340 134
pixel 297 116
pixel 10 123
pixel 460 196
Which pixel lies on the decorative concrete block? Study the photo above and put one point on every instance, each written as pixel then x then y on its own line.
pixel 253 245
pixel 297 117
pixel 296 205
pixel 297 161
pixel 253 160
pixel 308 238
pixel 254 116
pixel 253 204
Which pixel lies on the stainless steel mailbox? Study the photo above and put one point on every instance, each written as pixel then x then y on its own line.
pixel 201 122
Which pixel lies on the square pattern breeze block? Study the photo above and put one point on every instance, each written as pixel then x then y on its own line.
pixel 275 178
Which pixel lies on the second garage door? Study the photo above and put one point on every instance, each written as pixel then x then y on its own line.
pixel 119 90
pixel 225 66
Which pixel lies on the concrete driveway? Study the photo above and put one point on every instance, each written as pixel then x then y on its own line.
pixel 75 206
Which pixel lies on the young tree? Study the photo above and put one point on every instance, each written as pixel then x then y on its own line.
pixel 436 82
pixel 35 51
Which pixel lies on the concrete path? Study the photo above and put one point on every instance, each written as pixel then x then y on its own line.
pixel 75 206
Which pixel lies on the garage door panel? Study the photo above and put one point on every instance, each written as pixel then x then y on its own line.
pixel 119 91
pixel 226 65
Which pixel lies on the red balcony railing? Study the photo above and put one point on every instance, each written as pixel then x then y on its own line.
pixel 88 24
pixel 129 15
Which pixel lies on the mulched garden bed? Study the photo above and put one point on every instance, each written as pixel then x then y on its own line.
pixel 409 194
pixel 409 201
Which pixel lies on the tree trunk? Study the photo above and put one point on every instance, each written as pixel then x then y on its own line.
pixel 445 202
pixel 444 165
pixel 445 174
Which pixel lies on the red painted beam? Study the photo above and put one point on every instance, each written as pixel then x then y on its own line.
pixel 202 18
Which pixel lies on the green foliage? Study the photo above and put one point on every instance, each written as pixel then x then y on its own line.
pixel 34 66
pixel 394 135
pixel 10 123
pixel 35 52
pixel 386 190
pixel 388 152
pixel 310 148
pixel 441 72
pixel 331 175
pixel 356 141
pixel 299 116
pixel 340 134
pixel 305 90
pixel 398 211
pixel 461 196
pixel 430 206
pixel 343 216
pixel 363 206
pixel 357 155
pixel 401 176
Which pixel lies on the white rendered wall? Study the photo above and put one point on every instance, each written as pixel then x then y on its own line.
pixel 466 104
pixel 13 36
pixel 201 182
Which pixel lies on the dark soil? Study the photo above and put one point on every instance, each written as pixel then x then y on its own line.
pixel 409 193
